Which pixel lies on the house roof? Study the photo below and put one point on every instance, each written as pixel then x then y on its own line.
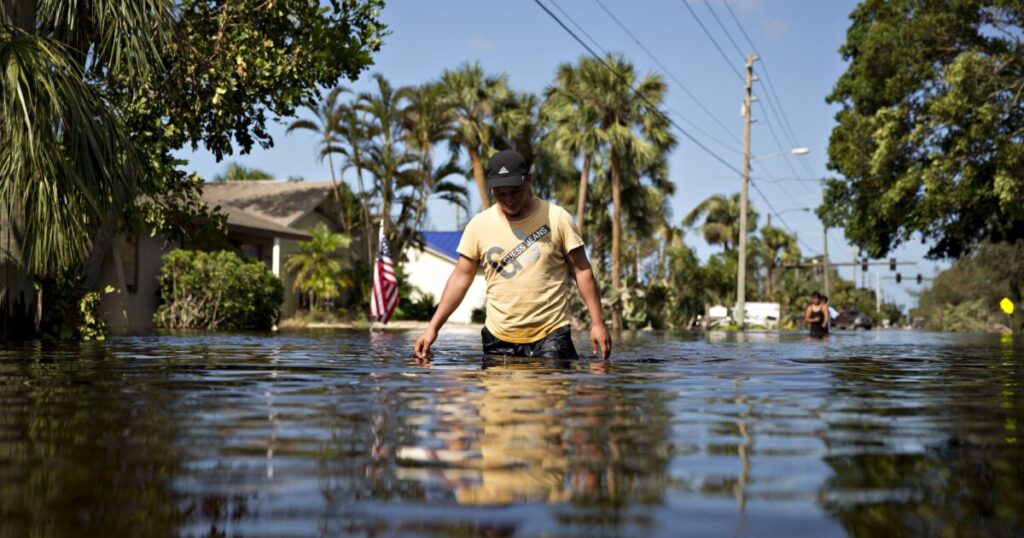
pixel 243 221
pixel 281 202
pixel 443 243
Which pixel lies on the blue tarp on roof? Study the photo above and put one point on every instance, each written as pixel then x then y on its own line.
pixel 443 242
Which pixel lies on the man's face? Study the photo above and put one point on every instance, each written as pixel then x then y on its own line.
pixel 513 200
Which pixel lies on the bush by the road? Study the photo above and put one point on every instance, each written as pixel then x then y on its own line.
pixel 217 291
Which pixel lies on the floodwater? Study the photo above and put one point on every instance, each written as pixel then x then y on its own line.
pixel 342 433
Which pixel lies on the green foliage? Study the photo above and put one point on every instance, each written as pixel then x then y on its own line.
pixel 67 158
pixel 91 326
pixel 418 306
pixel 69 317
pixel 322 267
pixel 479 315
pixel 237 172
pixel 721 224
pixel 928 139
pixel 966 296
pixel 217 291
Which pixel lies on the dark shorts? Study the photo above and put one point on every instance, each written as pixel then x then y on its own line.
pixel 557 345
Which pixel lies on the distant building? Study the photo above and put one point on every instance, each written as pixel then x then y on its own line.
pixel 762 314
pixel 428 269
pixel 265 221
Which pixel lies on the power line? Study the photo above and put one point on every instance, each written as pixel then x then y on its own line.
pixel 781 221
pixel 668 72
pixel 671 122
pixel 637 94
pixel 578 26
pixel 722 26
pixel 712 38
pixel 772 93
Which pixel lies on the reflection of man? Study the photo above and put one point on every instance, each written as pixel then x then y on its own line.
pixel 527 247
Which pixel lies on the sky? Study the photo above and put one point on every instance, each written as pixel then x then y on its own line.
pixel 798 42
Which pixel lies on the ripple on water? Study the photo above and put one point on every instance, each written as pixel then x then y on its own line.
pixel 327 433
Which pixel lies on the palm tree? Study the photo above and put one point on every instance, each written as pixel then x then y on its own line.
pixel 319 267
pixel 237 172
pixel 352 135
pixel 780 247
pixel 634 128
pixel 721 215
pixel 386 158
pixel 325 126
pixel 68 163
pixel 571 108
pixel 473 97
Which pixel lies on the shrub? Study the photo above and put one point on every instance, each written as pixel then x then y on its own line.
pixel 418 306
pixel 217 291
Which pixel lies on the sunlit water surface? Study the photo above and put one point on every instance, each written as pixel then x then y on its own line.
pixel 335 433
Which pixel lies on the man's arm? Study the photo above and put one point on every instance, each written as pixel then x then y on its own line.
pixel 599 338
pixel 454 291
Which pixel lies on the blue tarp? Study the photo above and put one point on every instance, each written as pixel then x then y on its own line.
pixel 443 242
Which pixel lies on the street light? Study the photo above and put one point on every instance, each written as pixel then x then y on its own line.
pixel 792 151
pixel 741 273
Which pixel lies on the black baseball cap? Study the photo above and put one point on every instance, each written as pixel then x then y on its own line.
pixel 506 169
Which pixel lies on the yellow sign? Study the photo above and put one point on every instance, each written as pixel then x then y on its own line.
pixel 1007 306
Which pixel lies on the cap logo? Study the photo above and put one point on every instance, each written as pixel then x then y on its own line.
pixel 503 170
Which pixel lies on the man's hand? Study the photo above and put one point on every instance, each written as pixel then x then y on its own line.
pixel 424 342
pixel 599 339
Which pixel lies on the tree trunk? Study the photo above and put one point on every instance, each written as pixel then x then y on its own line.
pixel 22 14
pixel 17 295
pixel 616 240
pixel 478 176
pixel 581 202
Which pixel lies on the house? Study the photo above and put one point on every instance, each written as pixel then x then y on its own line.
pixel 265 221
pixel 428 270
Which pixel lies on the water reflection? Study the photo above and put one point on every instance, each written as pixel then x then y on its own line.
pixel 339 433
pixel 916 446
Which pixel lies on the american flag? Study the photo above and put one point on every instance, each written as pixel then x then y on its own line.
pixel 384 296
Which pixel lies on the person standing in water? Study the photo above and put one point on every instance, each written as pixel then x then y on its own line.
pixel 816 316
pixel 528 248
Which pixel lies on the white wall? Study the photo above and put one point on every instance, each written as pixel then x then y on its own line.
pixel 132 313
pixel 429 272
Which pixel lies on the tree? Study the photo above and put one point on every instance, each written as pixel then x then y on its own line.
pixel 68 160
pixel 392 166
pixel 473 97
pixel 634 127
pixel 930 133
pixel 976 283
pixel 320 267
pixel 721 224
pixel 571 107
pixel 326 125
pixel 779 247
pixel 112 95
pixel 237 172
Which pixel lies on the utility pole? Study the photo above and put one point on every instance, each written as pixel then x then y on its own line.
pixel 878 291
pixel 825 259
pixel 741 273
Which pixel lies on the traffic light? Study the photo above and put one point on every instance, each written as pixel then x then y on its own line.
pixel 892 264
pixel 864 265
pixel 899 278
pixel 918 279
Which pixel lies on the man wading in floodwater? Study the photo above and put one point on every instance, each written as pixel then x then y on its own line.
pixel 527 247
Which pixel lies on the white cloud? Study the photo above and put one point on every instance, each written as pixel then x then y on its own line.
pixel 479 42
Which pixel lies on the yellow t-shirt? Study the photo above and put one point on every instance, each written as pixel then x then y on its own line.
pixel 526 270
